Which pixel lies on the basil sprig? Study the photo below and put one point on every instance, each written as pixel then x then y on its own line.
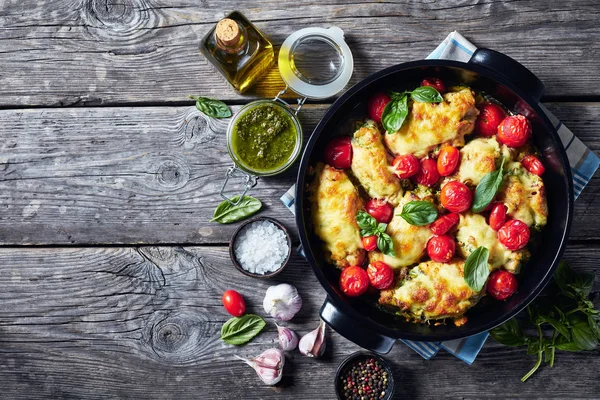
pixel 487 189
pixel 211 107
pixel 477 269
pixel 419 212
pixel 240 330
pixel 396 111
pixel 368 227
pixel 227 213
pixel 564 318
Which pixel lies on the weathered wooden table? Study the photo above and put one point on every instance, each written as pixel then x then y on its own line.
pixel 110 271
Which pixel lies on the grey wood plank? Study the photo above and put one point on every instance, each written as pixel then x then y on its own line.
pixel 138 51
pixel 152 175
pixel 144 323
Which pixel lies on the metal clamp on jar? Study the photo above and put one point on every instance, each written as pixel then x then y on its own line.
pixel 264 138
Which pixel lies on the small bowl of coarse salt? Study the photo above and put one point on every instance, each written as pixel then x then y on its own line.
pixel 260 247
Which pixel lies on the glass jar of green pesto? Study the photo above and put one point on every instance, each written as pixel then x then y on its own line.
pixel 264 138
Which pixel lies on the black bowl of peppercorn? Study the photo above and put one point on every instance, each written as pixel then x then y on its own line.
pixel 364 376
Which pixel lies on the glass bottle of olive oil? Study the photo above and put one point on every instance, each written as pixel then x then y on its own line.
pixel 238 50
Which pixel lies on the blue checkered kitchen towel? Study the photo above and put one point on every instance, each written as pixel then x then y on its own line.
pixel 584 164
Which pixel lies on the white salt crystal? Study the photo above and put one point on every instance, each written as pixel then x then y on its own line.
pixel 261 247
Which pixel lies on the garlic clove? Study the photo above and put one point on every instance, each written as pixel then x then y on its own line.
pixel 282 301
pixel 288 340
pixel 313 343
pixel 268 365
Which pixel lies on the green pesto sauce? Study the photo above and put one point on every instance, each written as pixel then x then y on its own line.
pixel 264 137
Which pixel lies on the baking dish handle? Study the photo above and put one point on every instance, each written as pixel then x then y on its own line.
pixel 511 70
pixel 354 330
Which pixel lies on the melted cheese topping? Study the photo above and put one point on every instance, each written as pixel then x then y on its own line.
pixel 477 158
pixel 432 290
pixel 473 231
pixel 334 204
pixel 524 195
pixel 430 124
pixel 370 165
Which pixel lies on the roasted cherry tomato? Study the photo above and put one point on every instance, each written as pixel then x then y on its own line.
pixel 441 248
pixel 514 234
pixel 490 116
pixel 406 166
pixel 456 197
pixel 370 242
pixel 435 83
pixel 447 160
pixel 234 303
pixel 354 281
pixel 380 274
pixel 377 104
pixel 497 216
pixel 514 131
pixel 338 152
pixel 502 284
pixel 533 165
pixel 444 223
pixel 428 174
pixel 381 210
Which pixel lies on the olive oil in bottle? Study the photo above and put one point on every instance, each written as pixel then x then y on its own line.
pixel 238 50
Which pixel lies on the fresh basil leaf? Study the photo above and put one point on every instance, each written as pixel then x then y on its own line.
pixel 227 213
pixel 568 346
pixel 240 330
pixel 394 114
pixel 583 336
pixel 563 277
pixel 477 268
pixel 594 325
pixel 559 326
pixel 366 222
pixel 487 189
pixel 212 108
pixel 509 334
pixel 426 94
pixel 382 227
pixel 419 212
pixel 385 244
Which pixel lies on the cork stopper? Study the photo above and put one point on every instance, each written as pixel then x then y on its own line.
pixel 228 32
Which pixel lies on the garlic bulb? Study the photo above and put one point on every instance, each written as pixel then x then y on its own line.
pixel 288 340
pixel 268 365
pixel 313 343
pixel 282 302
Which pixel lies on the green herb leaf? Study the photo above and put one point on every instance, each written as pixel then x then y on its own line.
pixel 426 94
pixel 567 346
pixel 212 108
pixel 385 244
pixel 394 113
pixel 240 330
pixel 487 189
pixel 367 223
pixel 509 334
pixel 583 336
pixel 594 325
pixel 477 268
pixel 227 213
pixel 419 212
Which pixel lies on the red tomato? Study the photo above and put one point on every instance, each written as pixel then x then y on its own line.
pixel 533 165
pixel 497 216
pixel 370 243
pixel 406 166
pixel 234 303
pixel 377 104
pixel 380 274
pixel 381 210
pixel 444 223
pixel 490 116
pixel 354 281
pixel 428 174
pixel 441 248
pixel 456 197
pixel 338 152
pixel 447 160
pixel 514 234
pixel 502 284
pixel 434 83
pixel 514 131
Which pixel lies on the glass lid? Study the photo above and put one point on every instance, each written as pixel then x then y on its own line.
pixel 316 62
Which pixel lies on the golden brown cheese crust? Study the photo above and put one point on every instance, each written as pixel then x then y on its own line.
pixel 430 124
pixel 432 290
pixel 478 158
pixel 334 204
pixel 370 165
